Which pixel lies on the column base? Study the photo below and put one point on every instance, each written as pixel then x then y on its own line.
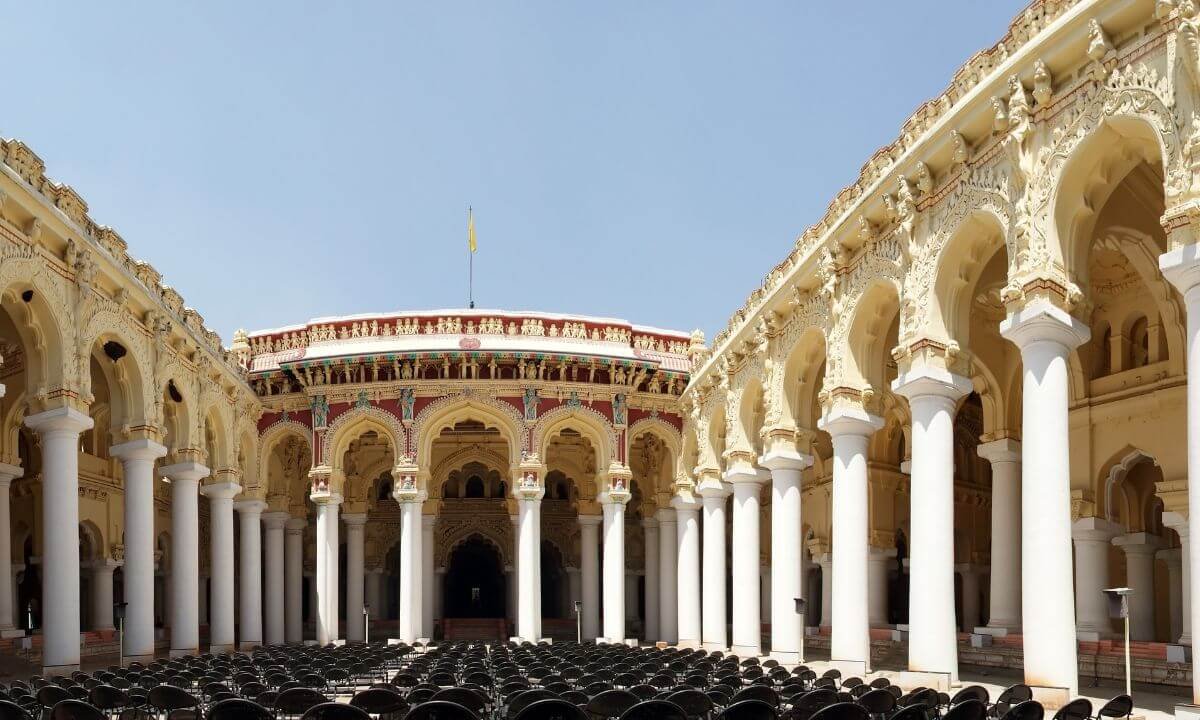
pixel 995 630
pixel 1051 697
pixel 787 657
pixel 714 647
pixel 747 651
pixel 184 652
pixel 248 645
pixel 1094 636
pixel 221 649
pixel 689 644
pixel 12 633
pixel 1187 711
pixel 143 659
pixel 1178 653
pixel 50 671
pixel 849 668
pixel 910 679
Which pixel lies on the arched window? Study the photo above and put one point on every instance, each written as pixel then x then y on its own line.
pixel 385 489
pixel 1139 343
pixel 474 487
pixel 561 490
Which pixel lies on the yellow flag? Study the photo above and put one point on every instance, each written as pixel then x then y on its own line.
pixel 471 230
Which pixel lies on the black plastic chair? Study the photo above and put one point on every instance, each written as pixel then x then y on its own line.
pixel 971 692
pixel 655 710
pixel 297 701
pixel 75 710
pixel 969 709
pixel 238 709
pixel 378 701
pixel 466 697
pixel 749 710
pixel 1027 710
pixel 1077 709
pixel 878 702
pixel 11 711
pixel 1011 696
pixel 335 711
pixel 694 703
pixel 551 709
pixel 842 711
pixel 1120 706
pixel 525 698
pixel 757 692
pixel 910 712
pixel 611 703
pixel 440 710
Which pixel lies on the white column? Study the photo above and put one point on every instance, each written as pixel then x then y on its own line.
pixel 328 505
pixel 275 613
pixel 714 633
pixel 650 629
pixel 589 560
pixel 877 586
pixel 427 580
pixel 970 596
pixel 220 518
pixel 1181 267
pixel 787 543
pixel 747 623
pixel 825 560
pixel 614 569
pixel 58 430
pixel 668 576
pixel 1092 537
pixel 933 638
pixel 102 594
pixel 355 580
pixel 411 594
pixel 529 504
pixel 687 570
pixel 1173 557
pixel 294 580
pixel 1004 614
pixel 137 467
pixel 8 620
pixel 1046 336
pixel 185 556
pixel 1140 549
pixel 1179 524
pixel 850 429
pixel 250 573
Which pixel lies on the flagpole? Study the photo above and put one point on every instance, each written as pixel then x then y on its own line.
pixel 470 267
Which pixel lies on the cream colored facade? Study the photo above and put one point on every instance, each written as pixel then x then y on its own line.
pixel 959 405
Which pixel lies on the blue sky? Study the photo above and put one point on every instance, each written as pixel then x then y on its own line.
pixel 278 161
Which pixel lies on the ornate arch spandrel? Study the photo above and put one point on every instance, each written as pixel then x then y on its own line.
pixel 595 427
pixel 450 534
pixel 445 411
pixel 338 432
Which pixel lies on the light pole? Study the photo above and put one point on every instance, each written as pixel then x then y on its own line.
pixel 119 614
pixel 579 622
pixel 1118 607
pixel 366 624
pixel 801 606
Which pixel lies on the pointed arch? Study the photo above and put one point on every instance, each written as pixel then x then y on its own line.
pixel 587 422
pixel 350 425
pixel 444 413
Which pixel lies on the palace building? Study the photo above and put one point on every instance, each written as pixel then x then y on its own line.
pixel 954 413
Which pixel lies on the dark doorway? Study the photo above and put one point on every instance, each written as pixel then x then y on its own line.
pixel 554 582
pixel 474 581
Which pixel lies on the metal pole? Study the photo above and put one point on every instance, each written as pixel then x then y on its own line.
pixel 121 642
pixel 803 622
pixel 1128 676
pixel 366 625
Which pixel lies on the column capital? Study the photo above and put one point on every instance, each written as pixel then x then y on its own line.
pixel 221 490
pixel 1172 556
pixel 354 519
pixel 785 460
pixel 744 476
pixel 1001 450
pixel 1094 529
pixel 1043 321
pixel 60 419
pixel 325 497
pixel 1138 543
pixel 592 520
pixel 650 523
pixel 275 520
pixel 715 491
pixel 685 504
pixel 850 420
pixel 929 381
pixel 140 449
pixel 665 515
pixel 252 507
pixel 8 473
pixel 1177 522
pixel 295 525
pixel 1181 267
pixel 185 472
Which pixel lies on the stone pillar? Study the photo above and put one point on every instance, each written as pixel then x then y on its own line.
pixel 411 594
pixel 275 612
pixel 1173 557
pixel 614 568
pixel 877 586
pixel 294 580
pixel 250 576
pixel 747 623
pixel 650 628
pixel 355 579
pixel 427 580
pixel 529 559
pixel 589 560
pixel 1004 614
pixel 137 467
pixel 1046 335
pixel 186 590
pixel 1140 549
pixel 1092 537
pixel 850 429
pixel 668 576
pixel 102 594
pixel 970 596
pixel 825 560
pixel 787 543
pixel 327 504
pixel 687 570
pixel 220 626
pixel 58 430
pixel 715 634
pixel 8 619
pixel 933 637
pixel 1179 524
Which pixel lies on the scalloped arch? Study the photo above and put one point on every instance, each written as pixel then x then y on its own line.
pixel 602 433
pixel 444 411
pixel 335 435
